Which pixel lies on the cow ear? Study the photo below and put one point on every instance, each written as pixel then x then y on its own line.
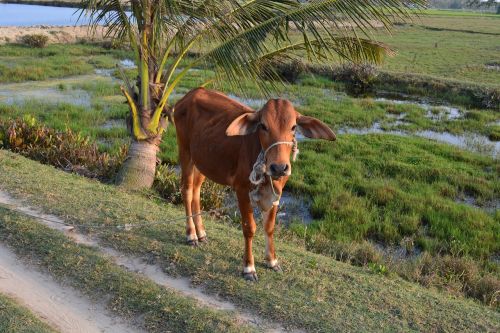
pixel 315 129
pixel 245 124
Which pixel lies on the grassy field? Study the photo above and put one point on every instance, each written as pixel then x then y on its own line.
pixel 17 319
pixel 391 189
pixel 398 205
pixel 331 295
pixel 448 46
pixel 399 192
pixel 21 63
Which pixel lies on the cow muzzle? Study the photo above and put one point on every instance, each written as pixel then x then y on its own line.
pixel 278 170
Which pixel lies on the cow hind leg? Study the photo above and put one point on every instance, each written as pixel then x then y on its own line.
pixel 269 220
pixel 187 179
pixel 196 206
pixel 249 227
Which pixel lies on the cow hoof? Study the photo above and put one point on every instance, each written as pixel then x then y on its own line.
pixel 252 276
pixel 203 239
pixel 276 268
pixel 193 242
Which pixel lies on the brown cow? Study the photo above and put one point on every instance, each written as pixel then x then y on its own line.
pixel 221 139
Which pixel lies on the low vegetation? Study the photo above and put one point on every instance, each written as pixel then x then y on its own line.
pixel 331 295
pixel 19 63
pixel 14 318
pixel 405 223
pixel 37 40
pixel 66 150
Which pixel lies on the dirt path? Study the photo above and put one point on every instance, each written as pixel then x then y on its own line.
pixel 138 265
pixel 61 307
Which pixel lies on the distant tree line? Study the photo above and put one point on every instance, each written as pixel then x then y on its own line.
pixel 489 5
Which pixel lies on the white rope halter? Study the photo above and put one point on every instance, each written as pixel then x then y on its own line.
pixel 257 176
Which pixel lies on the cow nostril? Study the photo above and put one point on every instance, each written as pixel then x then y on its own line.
pixel 274 168
pixel 278 169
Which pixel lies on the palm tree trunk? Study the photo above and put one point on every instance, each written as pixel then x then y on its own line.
pixel 138 169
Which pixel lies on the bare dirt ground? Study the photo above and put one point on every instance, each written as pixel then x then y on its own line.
pixel 56 34
pixel 63 308
pixel 131 263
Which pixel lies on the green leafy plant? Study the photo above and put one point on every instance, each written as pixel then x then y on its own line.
pixel 378 268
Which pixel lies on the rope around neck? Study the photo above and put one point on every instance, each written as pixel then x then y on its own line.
pixel 257 176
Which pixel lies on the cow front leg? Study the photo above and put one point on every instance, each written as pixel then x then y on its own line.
pixel 187 196
pixel 249 227
pixel 269 220
pixel 196 206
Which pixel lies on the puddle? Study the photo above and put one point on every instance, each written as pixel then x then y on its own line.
pixel 114 123
pixel 472 142
pixel 14 96
pixel 49 91
pixel 128 64
pixel 294 208
pixel 434 112
pixel 399 252
pixel 254 103
pixel 104 72
pixel 490 206
pixel 492 66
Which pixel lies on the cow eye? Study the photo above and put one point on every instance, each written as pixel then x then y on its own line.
pixel 263 127
pixel 294 127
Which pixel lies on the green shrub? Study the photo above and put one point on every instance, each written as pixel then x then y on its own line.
pixel 358 78
pixel 288 71
pixel 65 150
pixel 35 40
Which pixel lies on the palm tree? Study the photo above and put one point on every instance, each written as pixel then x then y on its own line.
pixel 236 37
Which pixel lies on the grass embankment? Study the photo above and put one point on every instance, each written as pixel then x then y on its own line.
pixel 314 292
pixel 129 294
pixel 16 319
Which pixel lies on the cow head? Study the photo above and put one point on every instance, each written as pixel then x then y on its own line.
pixel 278 121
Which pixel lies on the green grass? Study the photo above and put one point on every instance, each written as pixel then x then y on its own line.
pixel 386 188
pixel 20 63
pixel 14 318
pixel 447 47
pixel 455 13
pixel 129 294
pixel 315 292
